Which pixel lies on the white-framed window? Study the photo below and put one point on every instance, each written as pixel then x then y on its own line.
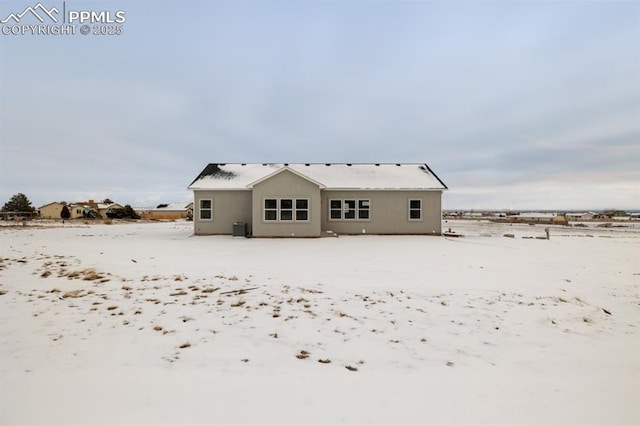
pixel 206 210
pixel 363 209
pixel 286 210
pixel 335 209
pixel 349 209
pixel 302 209
pixel 270 209
pixel 415 209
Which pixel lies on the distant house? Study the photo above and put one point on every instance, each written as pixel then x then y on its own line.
pixel 91 209
pixel 543 218
pixel 103 208
pixel 51 210
pixel 579 216
pixel 310 200
pixel 168 211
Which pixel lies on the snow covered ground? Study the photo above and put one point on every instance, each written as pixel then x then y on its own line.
pixel 144 323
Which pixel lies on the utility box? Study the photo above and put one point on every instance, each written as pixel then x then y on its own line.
pixel 239 229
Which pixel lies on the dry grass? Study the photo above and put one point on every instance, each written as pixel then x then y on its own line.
pixel 73 294
pixel 91 274
pixel 303 355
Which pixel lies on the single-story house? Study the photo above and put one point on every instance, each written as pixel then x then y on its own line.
pixel 51 210
pixel 580 216
pixel 534 217
pixel 103 208
pixel 81 209
pixel 311 200
pixel 168 211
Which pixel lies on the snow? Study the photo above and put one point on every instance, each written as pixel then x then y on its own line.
pixel 479 329
pixel 333 176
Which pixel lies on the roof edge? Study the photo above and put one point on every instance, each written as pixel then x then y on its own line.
pixel 282 169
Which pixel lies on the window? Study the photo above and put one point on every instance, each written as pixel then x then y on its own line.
pixel 415 209
pixel 363 209
pixel 206 212
pixel 302 209
pixel 270 209
pixel 349 209
pixel 286 209
pixel 335 207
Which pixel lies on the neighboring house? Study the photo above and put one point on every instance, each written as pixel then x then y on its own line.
pixel 103 208
pixel 80 209
pixel 545 218
pixel 310 200
pixel 51 210
pixel 168 211
pixel 77 210
pixel 579 216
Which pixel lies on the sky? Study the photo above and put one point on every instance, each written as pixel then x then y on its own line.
pixel 514 104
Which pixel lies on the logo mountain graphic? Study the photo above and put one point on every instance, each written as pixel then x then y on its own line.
pixel 34 11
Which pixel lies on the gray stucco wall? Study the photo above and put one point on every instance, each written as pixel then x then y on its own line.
pixel 286 185
pixel 228 207
pixel 389 213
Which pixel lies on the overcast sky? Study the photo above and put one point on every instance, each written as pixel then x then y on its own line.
pixel 514 104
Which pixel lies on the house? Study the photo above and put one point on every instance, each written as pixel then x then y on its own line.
pixel 103 208
pixel 91 209
pixel 534 217
pixel 181 210
pixel 80 209
pixel 51 210
pixel 310 200
pixel 580 216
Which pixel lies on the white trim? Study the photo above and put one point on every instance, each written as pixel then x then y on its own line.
pixel 409 210
pixel 277 172
pixel 210 209
pixel 293 210
pixel 343 208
